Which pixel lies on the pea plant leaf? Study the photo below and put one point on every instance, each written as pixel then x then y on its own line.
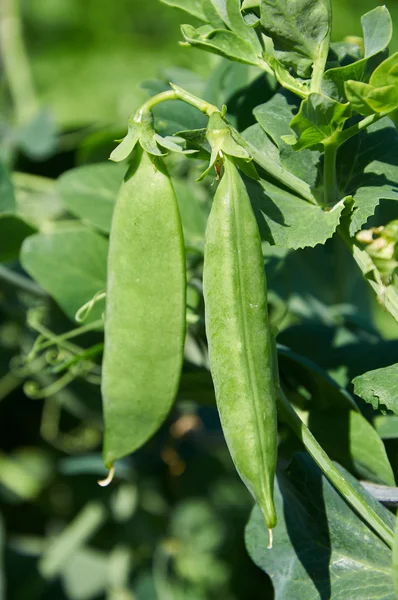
pixel 297 28
pixel 81 252
pixel 13 231
pixel 36 199
pixel 367 168
pixel 274 117
pixel 386 426
pixel 284 219
pixel 221 41
pixel 316 537
pixel 377 33
pixel 379 388
pixel 380 95
pixel 334 419
pixel 318 118
pixel 341 434
pixel 201 9
pixel 90 192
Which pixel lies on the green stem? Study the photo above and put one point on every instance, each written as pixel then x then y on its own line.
pixel 351 495
pixel 61 339
pixel 177 93
pixel 346 134
pixel 278 172
pixel 15 62
pixel 329 174
pixel 319 65
pixel 21 282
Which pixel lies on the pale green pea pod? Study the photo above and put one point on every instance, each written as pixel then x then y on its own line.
pixel 145 308
pixel 242 360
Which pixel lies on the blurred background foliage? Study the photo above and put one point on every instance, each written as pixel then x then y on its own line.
pixel 171 527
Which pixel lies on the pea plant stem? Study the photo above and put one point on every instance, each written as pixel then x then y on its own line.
pixel 22 283
pixel 320 61
pixel 15 62
pixel 351 495
pixel 329 173
pixel 346 134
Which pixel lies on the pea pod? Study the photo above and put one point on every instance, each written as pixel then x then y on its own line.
pixel 145 308
pixel 240 349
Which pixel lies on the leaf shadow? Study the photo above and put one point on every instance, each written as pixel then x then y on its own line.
pixel 264 208
pixel 361 150
pixel 306 521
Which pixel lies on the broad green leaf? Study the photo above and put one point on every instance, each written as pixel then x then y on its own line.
pixel 297 28
pixel 379 388
pixel 377 32
pixel 289 222
pixel 318 118
pixel 342 434
pixel 284 77
pixel 7 196
pixel 386 73
pixel 322 548
pixel 13 231
pixel 274 117
pixel 380 95
pixel 236 22
pixel 90 192
pixel 357 95
pixel 37 199
pixel 266 154
pixel 201 9
pixel 334 419
pixel 221 41
pixel 64 546
pixel 70 264
pixel 386 426
pixel 367 169
pixel 38 138
pixel 84 574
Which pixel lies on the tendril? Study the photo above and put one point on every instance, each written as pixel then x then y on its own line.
pixel 85 310
pixel 33 390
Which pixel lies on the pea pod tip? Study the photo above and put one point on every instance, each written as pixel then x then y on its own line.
pixel 270 539
pixel 108 479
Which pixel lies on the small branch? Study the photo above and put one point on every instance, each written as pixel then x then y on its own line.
pixel 349 493
pixel 346 134
pixel 22 283
pixel 383 493
pixel 177 93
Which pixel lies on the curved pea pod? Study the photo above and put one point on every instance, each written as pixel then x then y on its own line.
pixel 240 348
pixel 145 308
